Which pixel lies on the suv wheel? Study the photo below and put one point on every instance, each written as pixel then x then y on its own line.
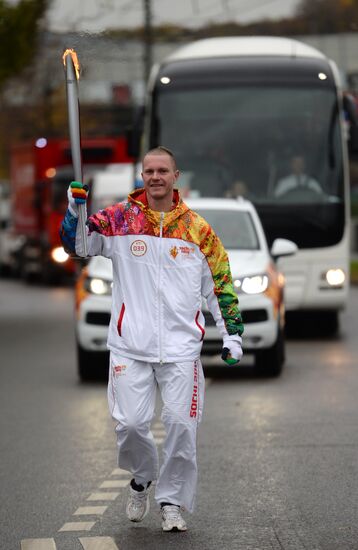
pixel 269 362
pixel 92 365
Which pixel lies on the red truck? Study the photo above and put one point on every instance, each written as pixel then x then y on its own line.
pixel 40 173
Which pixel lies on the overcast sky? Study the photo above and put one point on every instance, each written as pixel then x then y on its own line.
pixel 99 15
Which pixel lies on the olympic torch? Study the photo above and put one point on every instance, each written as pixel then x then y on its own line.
pixel 72 72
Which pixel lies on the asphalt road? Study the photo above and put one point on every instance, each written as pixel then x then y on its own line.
pixel 277 457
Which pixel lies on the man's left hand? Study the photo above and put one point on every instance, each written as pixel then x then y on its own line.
pixel 232 350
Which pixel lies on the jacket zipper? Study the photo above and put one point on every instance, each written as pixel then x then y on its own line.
pixel 159 287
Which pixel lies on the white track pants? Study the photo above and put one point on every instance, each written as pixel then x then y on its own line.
pixel 131 397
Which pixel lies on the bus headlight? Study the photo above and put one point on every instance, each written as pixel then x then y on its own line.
pixel 255 284
pixel 98 286
pixel 335 277
pixel 59 255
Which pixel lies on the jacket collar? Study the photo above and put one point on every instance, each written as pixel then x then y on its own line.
pixel 139 197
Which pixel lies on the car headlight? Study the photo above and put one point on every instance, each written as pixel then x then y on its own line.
pixel 256 284
pixel 59 255
pixel 98 286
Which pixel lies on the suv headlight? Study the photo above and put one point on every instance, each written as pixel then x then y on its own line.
pixel 255 284
pixel 98 286
pixel 59 255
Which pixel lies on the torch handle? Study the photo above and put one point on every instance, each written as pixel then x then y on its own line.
pixel 82 222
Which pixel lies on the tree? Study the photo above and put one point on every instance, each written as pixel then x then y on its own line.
pixel 19 25
pixel 328 16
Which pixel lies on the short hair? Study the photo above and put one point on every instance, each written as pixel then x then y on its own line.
pixel 160 150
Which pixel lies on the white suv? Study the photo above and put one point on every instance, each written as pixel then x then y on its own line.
pixel 258 283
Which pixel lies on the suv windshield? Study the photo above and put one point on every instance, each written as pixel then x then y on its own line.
pixel 235 229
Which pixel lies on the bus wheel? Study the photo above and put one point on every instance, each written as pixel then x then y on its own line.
pixel 330 323
pixel 269 362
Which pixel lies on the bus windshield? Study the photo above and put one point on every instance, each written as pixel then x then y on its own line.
pixel 278 146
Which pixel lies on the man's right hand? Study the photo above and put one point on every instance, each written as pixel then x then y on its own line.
pixel 77 193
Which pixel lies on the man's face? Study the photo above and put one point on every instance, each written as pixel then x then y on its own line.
pixel 159 176
pixel 298 165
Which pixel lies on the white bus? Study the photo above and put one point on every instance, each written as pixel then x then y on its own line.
pixel 263 117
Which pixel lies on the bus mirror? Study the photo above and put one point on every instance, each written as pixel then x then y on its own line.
pixel 351 116
pixel 353 139
pixel 134 133
pixel 350 109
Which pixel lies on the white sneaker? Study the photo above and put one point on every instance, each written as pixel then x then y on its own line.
pixel 172 518
pixel 137 504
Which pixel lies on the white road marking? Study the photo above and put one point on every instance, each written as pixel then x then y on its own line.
pixel 119 472
pixel 90 510
pixel 38 544
pixel 78 526
pixel 113 483
pixel 98 543
pixel 103 496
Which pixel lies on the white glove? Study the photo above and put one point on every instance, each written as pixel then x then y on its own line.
pixel 232 350
pixel 76 194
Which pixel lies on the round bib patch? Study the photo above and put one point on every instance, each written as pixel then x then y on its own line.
pixel 138 248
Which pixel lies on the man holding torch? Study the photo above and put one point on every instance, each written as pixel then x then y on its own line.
pixel 165 259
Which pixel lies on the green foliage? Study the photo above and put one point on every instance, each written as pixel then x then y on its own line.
pixel 326 16
pixel 311 17
pixel 18 35
pixel 354 272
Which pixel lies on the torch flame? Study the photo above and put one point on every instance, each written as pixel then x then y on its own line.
pixel 73 54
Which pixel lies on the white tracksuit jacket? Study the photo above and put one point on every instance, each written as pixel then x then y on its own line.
pixel 163 263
